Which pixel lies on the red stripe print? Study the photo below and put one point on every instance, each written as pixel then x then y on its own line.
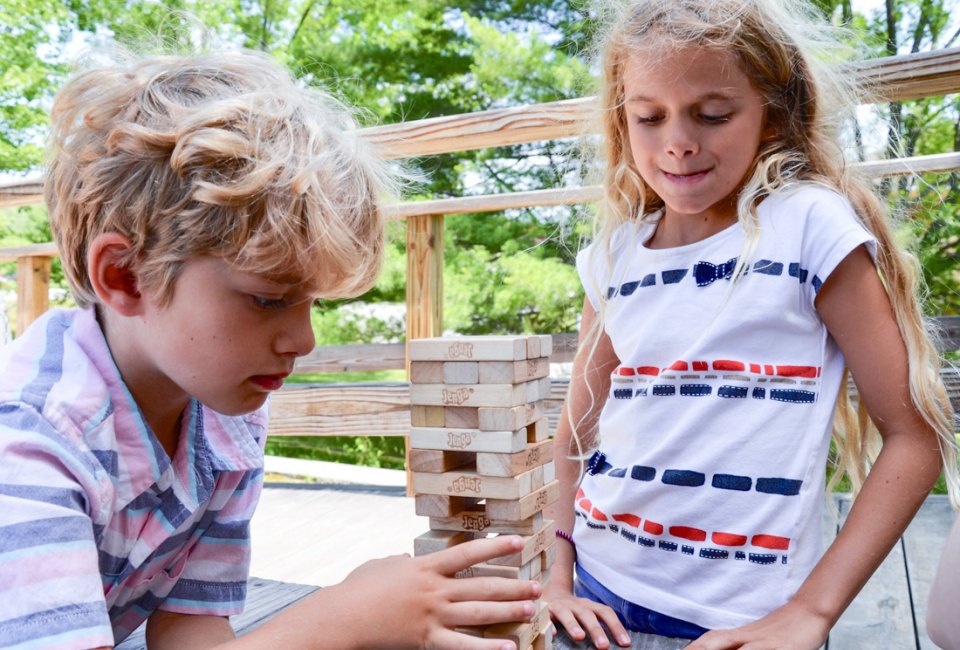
pixel 623 371
pixel 653 371
pixel 586 504
pixel 768 370
pixel 728 539
pixel 755 367
pixel 630 520
pixel 580 493
pixel 678 365
pixel 726 364
pixel 798 371
pixel 701 366
pixel 686 532
pixel 652 527
pixel 771 541
pixel 599 516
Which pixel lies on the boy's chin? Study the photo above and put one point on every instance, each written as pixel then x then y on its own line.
pixel 235 405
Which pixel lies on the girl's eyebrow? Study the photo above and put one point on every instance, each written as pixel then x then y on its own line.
pixel 716 95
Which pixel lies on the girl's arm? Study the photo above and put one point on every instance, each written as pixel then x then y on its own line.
pixel 857 312
pixel 589 386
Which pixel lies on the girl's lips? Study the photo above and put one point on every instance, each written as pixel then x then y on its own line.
pixel 686 178
pixel 269 382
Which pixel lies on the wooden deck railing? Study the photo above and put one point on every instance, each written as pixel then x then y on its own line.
pixel 381 409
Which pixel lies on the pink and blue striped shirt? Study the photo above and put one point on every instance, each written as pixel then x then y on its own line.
pixel 98 526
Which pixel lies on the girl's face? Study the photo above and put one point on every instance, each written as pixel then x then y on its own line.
pixel 695 124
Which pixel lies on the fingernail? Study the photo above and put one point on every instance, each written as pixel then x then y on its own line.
pixel 508 646
pixel 536 588
pixel 528 609
pixel 517 542
pixel 625 640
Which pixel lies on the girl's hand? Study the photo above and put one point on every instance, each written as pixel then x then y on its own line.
pixel 579 614
pixel 791 627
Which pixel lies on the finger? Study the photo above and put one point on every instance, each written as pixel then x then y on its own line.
pixel 569 622
pixel 490 588
pixel 591 624
pixel 614 627
pixel 715 640
pixel 461 556
pixel 486 613
pixel 451 639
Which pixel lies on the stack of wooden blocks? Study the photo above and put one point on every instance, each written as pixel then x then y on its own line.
pixel 482 456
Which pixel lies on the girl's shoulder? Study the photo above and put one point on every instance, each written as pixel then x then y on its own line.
pixel 808 198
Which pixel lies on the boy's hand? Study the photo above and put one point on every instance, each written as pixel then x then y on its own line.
pixel 582 616
pixel 790 627
pixel 416 602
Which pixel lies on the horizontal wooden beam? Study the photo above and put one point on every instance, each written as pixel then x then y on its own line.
pixel 11 253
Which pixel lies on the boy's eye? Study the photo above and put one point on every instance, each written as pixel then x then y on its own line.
pixel 268 304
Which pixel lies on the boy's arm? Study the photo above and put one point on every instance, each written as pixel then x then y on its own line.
pixel 858 315
pixel 397 602
pixel 589 386
pixel 171 631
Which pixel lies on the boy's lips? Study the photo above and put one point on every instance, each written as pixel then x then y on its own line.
pixel 269 382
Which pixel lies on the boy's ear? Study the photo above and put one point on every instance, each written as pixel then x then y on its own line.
pixel 114 282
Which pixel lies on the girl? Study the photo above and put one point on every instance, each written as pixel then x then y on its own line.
pixel 737 271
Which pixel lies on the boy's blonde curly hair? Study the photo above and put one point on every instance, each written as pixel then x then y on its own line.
pixel 219 154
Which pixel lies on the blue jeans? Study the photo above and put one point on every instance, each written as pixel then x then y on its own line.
pixel 634 617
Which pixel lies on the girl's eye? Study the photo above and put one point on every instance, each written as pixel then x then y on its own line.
pixel 715 119
pixel 653 119
pixel 268 304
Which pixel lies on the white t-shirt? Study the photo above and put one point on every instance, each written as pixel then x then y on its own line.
pixel 707 503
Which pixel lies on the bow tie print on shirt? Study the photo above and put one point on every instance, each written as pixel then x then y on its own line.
pixel 706 273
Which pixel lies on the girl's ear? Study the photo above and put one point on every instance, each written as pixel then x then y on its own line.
pixel 114 282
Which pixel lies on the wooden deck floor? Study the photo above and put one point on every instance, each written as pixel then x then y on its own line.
pixel 315 535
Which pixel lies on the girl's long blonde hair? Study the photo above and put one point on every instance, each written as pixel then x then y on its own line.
pixel 792 58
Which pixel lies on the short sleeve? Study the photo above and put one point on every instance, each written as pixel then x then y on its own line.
pixel 587 268
pixel 214 576
pixel 596 265
pixel 51 593
pixel 831 232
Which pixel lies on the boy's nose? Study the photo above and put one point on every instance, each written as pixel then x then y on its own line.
pixel 296 335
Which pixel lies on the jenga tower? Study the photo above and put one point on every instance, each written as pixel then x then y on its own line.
pixel 482 457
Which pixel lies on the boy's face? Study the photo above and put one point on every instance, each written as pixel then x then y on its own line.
pixel 227 337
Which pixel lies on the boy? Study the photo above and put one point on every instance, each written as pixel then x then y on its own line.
pixel 200 205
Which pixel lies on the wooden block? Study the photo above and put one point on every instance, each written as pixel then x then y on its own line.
pixel 538 389
pixel 460 372
pixel 509 419
pixel 515 510
pixel 437 540
pixel 476 520
pixel 526 572
pixel 461 417
pixel 474 440
pixel 426 416
pixel 469 348
pixel 436 505
pixel 477 395
pixel 533 347
pixel 538 431
pixel 512 372
pixel 436 460
pixel 532 547
pixel 547 557
pixel 491 464
pixel 426 372
pixel 471 484
pixel 544 641
pixel 549 472
pixel 546 345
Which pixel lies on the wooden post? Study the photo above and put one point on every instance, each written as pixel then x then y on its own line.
pixel 33 289
pixel 424 289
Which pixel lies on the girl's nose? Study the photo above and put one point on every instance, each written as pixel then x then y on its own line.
pixel 681 140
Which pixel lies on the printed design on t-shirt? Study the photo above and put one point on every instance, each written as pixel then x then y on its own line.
pixel 757 548
pixel 737 380
pixel 706 273
pixel 776 485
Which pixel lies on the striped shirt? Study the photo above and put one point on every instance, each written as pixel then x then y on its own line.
pixel 98 526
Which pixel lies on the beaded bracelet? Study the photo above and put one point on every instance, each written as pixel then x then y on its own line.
pixel 564 535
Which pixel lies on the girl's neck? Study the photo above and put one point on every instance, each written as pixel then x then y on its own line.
pixel 675 230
